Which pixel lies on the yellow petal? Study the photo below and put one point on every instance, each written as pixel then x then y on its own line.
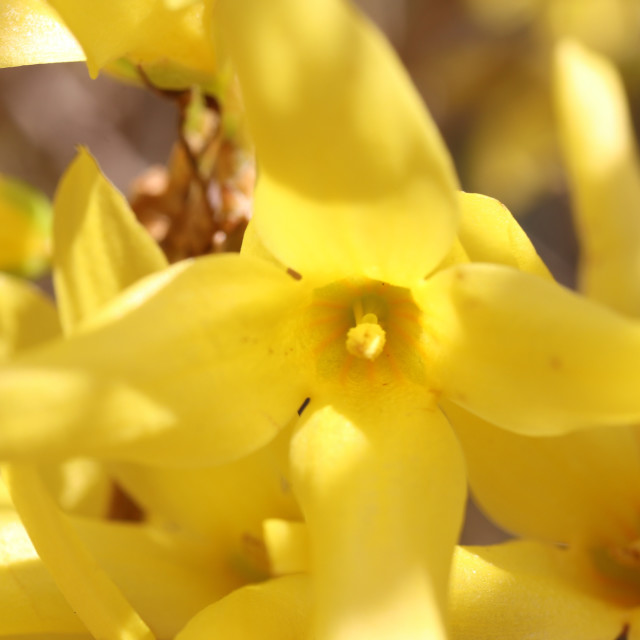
pixel 167 577
pixel 527 354
pixel 287 546
pixel 510 149
pixel 252 245
pixel 58 636
pixel 5 498
pixel 167 580
pixel 354 178
pixel 457 255
pixel 32 33
pixel 526 590
pixel 89 591
pixel 196 365
pixel 275 610
pixel 80 486
pixel 599 148
pixel 25 228
pixel 27 318
pixel 608 26
pixel 261 489
pixel 99 247
pixel 579 488
pixel 146 31
pixel 380 479
pixel 31 602
pixel 489 233
pixel 179 4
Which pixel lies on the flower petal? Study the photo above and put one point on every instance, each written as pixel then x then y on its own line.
pixel 27 317
pixel 261 489
pixel 278 609
pixel 167 578
pixel 99 247
pixel 146 31
pixel 195 365
pixel 599 147
pixel 381 482
pixel 287 546
pixel 31 602
pixel 580 488
pixel 32 33
pixel 25 228
pixel 252 245
pixel 5 498
pixel 91 594
pixel 526 590
pixel 526 354
pixel 354 178
pixel 489 233
pixel 80 486
pixel 58 636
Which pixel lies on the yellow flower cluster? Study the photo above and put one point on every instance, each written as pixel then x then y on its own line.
pixel 297 423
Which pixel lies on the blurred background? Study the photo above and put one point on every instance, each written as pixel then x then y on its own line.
pixel 482 67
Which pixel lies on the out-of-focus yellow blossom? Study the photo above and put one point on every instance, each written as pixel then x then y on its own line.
pixel 116 579
pixel 25 229
pixel 27 318
pixel 576 496
pixel 510 151
pixel 32 33
pixel 610 26
pixel 167 575
pixel 207 361
pixel 171 40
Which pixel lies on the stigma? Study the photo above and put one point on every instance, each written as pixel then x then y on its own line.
pixel 367 339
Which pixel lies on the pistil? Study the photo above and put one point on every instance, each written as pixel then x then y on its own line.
pixel 367 339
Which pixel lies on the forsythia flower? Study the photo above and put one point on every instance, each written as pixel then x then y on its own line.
pixel 610 26
pixel 166 573
pixel 511 152
pixel 578 490
pixel 170 38
pixel 25 229
pixel 374 319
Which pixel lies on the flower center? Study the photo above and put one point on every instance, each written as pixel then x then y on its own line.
pixel 619 568
pixel 360 329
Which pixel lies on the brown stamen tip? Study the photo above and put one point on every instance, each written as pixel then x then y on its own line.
pixel 303 406
pixel 624 634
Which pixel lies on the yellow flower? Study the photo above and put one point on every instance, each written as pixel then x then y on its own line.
pixel 89 574
pixel 610 26
pixel 170 38
pixel 207 361
pixel 510 149
pixel 25 229
pixel 574 497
